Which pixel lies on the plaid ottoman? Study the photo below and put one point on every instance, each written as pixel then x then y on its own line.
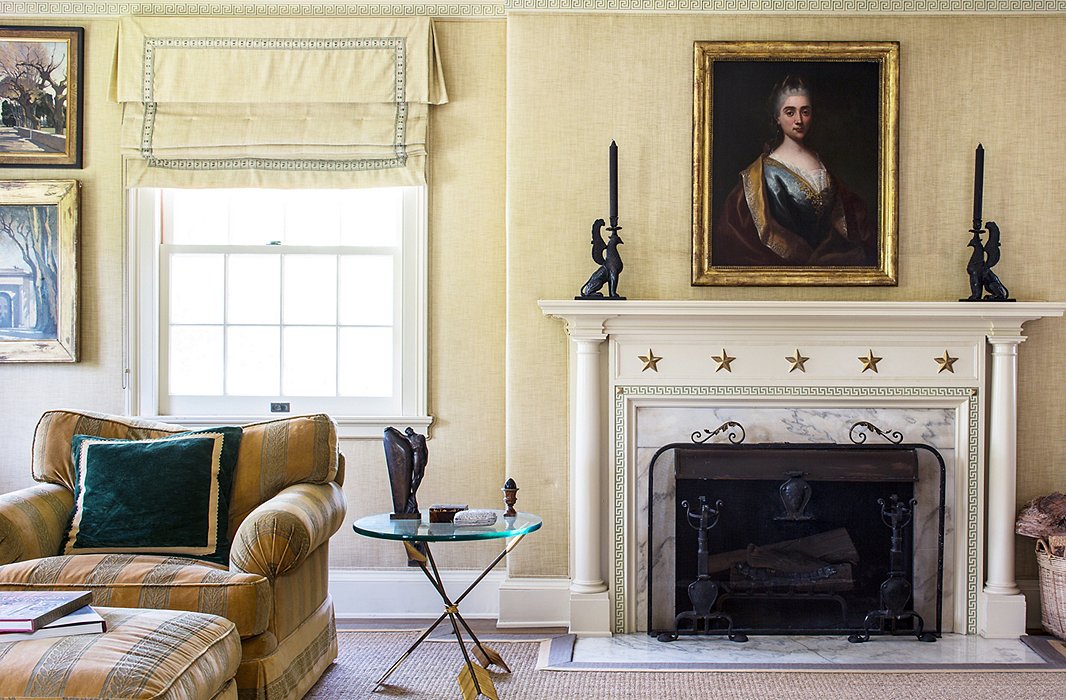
pixel 144 654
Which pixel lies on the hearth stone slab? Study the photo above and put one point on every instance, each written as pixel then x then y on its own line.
pixel 642 651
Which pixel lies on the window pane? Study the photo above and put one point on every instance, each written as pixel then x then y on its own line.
pixel 253 361
pixel 200 216
pixel 310 362
pixel 195 361
pixel 257 217
pixel 372 217
pixel 312 217
pixel 366 290
pixel 310 289
pixel 196 288
pixel 253 289
pixel 365 367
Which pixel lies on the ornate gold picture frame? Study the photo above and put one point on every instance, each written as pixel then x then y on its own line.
pixel 38 270
pixel 794 163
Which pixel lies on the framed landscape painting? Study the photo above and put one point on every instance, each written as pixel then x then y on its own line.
pixel 794 163
pixel 41 97
pixel 38 270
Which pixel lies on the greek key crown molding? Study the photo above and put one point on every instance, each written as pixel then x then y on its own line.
pixel 792 7
pixel 497 9
pixel 89 9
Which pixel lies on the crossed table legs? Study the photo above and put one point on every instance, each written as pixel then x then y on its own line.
pixel 474 680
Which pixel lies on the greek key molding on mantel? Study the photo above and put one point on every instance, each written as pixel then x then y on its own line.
pixel 498 9
pixel 968 518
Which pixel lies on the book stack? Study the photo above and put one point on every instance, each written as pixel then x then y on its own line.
pixel 40 614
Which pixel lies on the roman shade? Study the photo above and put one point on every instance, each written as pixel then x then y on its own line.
pixel 342 102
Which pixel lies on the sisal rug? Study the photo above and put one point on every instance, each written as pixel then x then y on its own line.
pixel 430 673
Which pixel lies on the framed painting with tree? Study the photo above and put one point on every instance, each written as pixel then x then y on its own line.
pixel 794 163
pixel 38 270
pixel 41 97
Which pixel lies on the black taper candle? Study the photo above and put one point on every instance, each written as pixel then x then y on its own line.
pixel 614 183
pixel 978 185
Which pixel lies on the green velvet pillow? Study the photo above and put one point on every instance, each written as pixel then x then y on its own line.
pixel 164 496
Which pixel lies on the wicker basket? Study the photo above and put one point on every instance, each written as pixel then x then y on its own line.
pixel 1052 590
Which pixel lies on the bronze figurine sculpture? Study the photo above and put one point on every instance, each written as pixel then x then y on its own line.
pixel 406 456
pixel 606 255
pixel 985 285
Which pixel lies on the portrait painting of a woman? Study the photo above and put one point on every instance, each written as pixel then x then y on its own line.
pixel 787 208
pixel 796 189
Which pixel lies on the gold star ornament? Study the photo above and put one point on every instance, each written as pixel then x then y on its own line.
pixel 723 361
pixel 947 362
pixel 870 361
pixel 650 361
pixel 798 362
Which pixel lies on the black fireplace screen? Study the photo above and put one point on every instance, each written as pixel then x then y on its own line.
pixel 783 538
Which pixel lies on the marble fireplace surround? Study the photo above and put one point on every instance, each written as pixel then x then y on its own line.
pixel 935 427
pixel 637 365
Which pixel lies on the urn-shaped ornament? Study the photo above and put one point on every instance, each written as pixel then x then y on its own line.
pixel 795 495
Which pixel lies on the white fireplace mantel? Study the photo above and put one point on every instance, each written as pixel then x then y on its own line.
pixel 888 353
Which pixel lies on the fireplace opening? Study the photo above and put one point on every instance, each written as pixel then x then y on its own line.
pixel 781 538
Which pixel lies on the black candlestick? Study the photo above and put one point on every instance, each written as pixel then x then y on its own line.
pixel 613 170
pixel 978 185
pixel 605 253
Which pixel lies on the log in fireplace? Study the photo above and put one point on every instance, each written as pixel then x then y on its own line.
pixel 782 538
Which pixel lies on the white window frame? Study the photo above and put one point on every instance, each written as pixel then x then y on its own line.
pixel 142 294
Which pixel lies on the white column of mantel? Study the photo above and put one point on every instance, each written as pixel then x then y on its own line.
pixel 589 604
pixel 1003 612
pixel 588 466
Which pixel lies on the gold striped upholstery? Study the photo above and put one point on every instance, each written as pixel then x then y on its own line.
pixel 297 593
pixel 154 654
pixel 285 505
pixel 278 535
pixel 52 462
pixel 32 521
pixel 299 660
pixel 279 453
pixel 274 454
pixel 145 581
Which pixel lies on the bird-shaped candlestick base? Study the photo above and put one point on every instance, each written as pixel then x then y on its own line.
pixel 606 255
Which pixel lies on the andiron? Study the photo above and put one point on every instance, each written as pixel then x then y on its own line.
pixel 703 592
pixel 896 589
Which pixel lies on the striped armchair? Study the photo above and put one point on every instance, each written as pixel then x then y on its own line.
pixel 285 504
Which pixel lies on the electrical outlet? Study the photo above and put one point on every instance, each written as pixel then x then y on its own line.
pixel 279 407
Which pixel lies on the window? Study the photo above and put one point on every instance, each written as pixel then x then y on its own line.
pixel 253 302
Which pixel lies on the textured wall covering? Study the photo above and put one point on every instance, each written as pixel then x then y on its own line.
pixel 577 81
pixel 534 103
pixel 94 383
pixel 467 270
pixel 467 273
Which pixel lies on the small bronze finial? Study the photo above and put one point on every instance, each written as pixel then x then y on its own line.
pixel 510 497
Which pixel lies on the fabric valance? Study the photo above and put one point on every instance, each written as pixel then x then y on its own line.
pixel 276 103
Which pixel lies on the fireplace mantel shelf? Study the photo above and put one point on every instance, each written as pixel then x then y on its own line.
pixel 990 317
pixel 637 352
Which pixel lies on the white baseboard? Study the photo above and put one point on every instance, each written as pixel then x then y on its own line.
pixel 535 602
pixel 1030 588
pixel 406 593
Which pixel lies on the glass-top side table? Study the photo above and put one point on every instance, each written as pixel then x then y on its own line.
pixel 416 535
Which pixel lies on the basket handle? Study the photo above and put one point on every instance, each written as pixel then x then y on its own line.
pixel 1042 545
